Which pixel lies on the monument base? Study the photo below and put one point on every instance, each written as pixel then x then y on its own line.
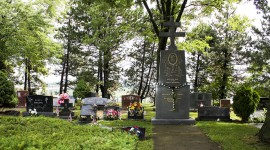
pixel 173 121
pixel 47 114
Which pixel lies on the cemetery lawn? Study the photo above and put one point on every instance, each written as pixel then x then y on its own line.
pixel 147 143
pixel 53 133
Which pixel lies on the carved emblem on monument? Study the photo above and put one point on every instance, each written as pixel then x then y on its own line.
pixel 172 65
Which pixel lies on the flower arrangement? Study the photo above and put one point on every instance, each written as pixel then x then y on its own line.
pixel 111 114
pixel 62 97
pixel 135 109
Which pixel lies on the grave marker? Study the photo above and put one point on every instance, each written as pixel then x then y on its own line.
pixel 42 104
pixel 172 91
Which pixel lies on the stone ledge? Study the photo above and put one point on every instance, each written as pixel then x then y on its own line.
pixel 173 121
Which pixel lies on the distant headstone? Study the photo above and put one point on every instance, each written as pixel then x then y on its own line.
pixel 91 94
pixel 127 99
pixel 263 103
pixel 88 113
pixel 98 101
pixel 42 104
pixel 214 113
pixel 199 98
pixel 22 98
pixel 225 103
pixel 172 91
pixel 65 111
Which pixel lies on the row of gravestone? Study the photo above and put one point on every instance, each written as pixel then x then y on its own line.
pixel 43 105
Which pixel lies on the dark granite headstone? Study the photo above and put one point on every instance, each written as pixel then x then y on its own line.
pixel 200 98
pixel 172 94
pixel 214 113
pixel 66 109
pixel 263 103
pixel 42 104
pixel 164 103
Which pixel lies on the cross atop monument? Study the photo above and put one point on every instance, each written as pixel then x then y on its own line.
pixel 172 32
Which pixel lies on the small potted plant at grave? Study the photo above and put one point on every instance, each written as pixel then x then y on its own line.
pixel 135 111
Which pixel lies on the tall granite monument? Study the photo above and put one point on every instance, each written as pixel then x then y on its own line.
pixel 172 91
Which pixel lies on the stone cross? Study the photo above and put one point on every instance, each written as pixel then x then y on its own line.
pixel 172 32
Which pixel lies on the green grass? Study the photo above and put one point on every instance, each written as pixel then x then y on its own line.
pixel 53 133
pixel 146 144
pixel 232 136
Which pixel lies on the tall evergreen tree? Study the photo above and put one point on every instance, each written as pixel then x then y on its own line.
pixel 260 56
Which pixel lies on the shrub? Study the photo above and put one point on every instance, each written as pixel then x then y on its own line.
pixel 81 90
pixel 245 102
pixel 8 96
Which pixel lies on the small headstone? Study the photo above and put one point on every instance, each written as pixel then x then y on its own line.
pixel 22 98
pixel 214 113
pixel 88 112
pixel 225 103
pixel 127 99
pixel 42 104
pixel 98 101
pixel 65 112
pixel 263 103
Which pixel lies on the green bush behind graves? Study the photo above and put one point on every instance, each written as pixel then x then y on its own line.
pixel 8 96
pixel 245 102
pixel 52 133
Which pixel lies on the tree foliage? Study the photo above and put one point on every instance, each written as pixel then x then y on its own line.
pixel 260 57
pixel 218 49
pixel 8 96
pixel 24 39
pixel 81 90
pixel 182 10
pixel 94 40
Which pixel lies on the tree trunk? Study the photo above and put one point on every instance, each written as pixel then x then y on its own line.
pixel 67 58
pixel 196 84
pixel 28 77
pixel 264 133
pixel 106 72
pixel 25 74
pixel 142 71
pixel 62 76
pixel 224 82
